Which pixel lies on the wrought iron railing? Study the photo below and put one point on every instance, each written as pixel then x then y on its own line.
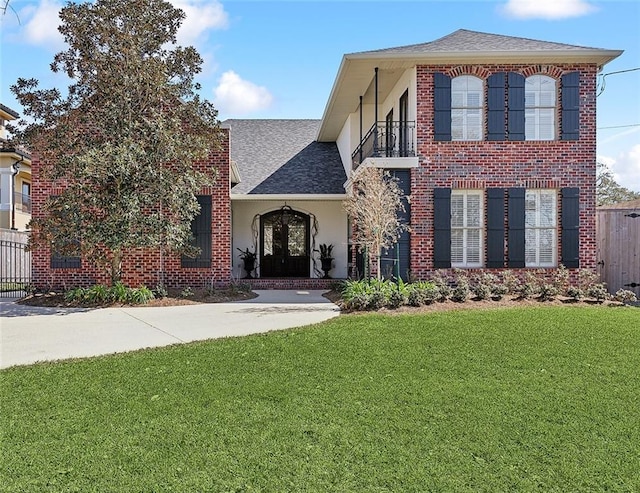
pixel 386 139
pixel 22 202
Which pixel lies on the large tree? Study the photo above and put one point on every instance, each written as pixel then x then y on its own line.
pixel 373 204
pixel 608 190
pixel 123 138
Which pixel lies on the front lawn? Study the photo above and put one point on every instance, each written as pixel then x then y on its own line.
pixel 525 399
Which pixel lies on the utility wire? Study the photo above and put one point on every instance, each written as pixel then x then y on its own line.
pixel 620 126
pixel 602 78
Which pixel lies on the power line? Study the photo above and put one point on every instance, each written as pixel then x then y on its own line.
pixel 602 77
pixel 620 126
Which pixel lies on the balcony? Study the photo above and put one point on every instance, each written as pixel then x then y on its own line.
pixel 22 202
pixel 386 139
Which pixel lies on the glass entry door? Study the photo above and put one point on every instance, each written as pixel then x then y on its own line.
pixel 284 244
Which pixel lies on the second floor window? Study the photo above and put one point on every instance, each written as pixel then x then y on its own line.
pixel 540 108
pixel 466 108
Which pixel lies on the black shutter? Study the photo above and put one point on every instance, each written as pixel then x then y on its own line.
pixel 495 107
pixel 516 106
pixel 59 261
pixel 495 228
pixel 442 107
pixel 570 123
pixel 570 256
pixel 516 235
pixel 441 228
pixel 62 261
pixel 201 230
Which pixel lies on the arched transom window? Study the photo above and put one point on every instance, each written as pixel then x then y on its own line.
pixel 466 108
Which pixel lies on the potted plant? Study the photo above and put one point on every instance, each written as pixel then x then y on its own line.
pixel 249 259
pixel 326 258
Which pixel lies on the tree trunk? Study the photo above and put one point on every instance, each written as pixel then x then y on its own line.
pixel 116 267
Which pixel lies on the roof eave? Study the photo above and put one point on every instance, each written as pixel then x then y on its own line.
pixel 327 131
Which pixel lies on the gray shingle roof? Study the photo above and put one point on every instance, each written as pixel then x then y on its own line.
pixel 283 157
pixel 463 40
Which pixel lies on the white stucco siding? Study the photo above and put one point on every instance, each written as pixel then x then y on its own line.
pixel 328 215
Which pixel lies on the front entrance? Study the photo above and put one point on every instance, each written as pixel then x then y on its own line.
pixel 284 244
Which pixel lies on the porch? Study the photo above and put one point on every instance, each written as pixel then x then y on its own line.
pixel 292 283
pixel 390 139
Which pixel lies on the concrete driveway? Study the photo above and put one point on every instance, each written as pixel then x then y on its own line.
pixel 32 334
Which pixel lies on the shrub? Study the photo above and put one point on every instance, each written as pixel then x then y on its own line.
pixel 441 281
pixel 598 292
pixel 575 292
pixel 138 296
pixel 422 293
pixel 461 292
pixel 625 296
pixel 548 292
pixel 511 282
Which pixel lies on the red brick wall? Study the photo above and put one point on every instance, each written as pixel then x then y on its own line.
pixel 484 164
pixel 147 266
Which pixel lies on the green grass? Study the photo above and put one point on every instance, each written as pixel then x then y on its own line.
pixel 544 399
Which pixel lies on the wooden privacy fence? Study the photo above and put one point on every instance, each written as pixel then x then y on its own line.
pixel 618 239
pixel 15 264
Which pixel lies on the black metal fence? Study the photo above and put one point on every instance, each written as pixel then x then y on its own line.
pixel 15 266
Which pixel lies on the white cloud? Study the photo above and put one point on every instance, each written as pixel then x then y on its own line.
pixel 240 97
pixel 625 168
pixel 42 26
pixel 200 16
pixel 547 9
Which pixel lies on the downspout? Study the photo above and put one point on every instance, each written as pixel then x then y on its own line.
pixel 360 130
pixel 15 169
pixel 375 132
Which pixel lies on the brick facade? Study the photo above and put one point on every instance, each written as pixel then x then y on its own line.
pixel 504 164
pixel 148 267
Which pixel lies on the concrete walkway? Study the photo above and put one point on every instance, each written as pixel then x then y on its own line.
pixel 32 334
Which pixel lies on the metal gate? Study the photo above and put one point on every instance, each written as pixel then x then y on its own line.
pixel 15 265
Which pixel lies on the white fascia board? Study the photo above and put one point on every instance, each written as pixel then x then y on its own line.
pixel 289 197
pixel 390 162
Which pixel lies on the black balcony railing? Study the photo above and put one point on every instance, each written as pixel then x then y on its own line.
pixel 22 202
pixel 384 139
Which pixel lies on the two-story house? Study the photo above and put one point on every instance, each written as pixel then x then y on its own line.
pixel 15 179
pixel 492 138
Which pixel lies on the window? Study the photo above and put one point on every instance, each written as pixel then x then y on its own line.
pixel 466 108
pixel 540 108
pixel 466 228
pixel 540 228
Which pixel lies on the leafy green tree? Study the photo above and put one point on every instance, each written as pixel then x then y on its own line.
pixel 123 139
pixel 373 205
pixel 608 191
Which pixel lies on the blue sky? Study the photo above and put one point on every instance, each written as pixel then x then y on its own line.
pixel 266 59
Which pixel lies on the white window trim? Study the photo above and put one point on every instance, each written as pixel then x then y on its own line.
pixel 465 229
pixel 537 228
pixel 466 109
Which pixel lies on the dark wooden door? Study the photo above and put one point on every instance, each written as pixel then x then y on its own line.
pixel 284 242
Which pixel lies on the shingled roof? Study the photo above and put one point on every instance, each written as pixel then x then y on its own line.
pixel 467 41
pixel 276 157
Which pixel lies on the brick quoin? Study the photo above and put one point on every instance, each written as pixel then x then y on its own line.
pixel 486 164
pixel 148 267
